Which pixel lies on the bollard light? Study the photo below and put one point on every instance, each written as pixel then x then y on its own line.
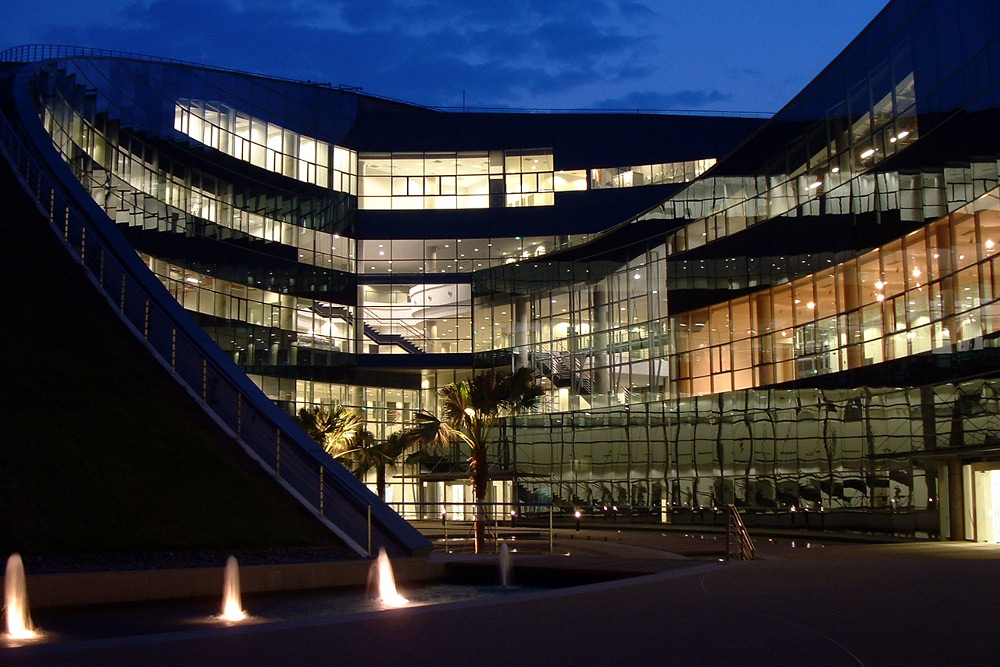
pixel 576 515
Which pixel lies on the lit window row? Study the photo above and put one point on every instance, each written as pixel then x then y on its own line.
pixel 461 180
pixel 313 324
pixel 139 195
pixel 935 290
pixel 828 170
pixel 427 256
pixel 267 145
pixel 649 174
pixel 444 180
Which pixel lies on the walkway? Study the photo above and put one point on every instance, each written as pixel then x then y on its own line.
pixel 899 604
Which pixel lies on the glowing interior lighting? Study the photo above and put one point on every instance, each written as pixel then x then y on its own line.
pixel 879 285
pixel 836 170
pixel 868 153
pixel 811 305
pixel 880 297
pixel 903 134
pixel 990 244
pixel 813 186
pixel 916 272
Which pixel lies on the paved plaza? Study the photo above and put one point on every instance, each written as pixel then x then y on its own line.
pixel 811 604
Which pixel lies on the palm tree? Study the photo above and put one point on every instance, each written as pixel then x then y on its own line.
pixel 334 428
pixel 470 411
pixel 370 452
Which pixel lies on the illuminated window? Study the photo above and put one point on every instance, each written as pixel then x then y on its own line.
pixel 439 180
pixel 648 174
pixel 267 145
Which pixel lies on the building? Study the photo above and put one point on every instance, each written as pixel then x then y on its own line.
pixel 796 316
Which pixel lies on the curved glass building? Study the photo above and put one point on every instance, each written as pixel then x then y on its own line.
pixel 795 315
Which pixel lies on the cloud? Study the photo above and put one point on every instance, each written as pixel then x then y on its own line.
pixel 680 100
pixel 514 53
pixel 504 53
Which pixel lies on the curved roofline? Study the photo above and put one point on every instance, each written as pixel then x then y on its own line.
pixel 30 53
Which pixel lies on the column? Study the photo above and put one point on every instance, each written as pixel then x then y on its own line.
pixel 522 310
pixel 956 500
pixel 765 337
pixel 945 268
pixel 601 371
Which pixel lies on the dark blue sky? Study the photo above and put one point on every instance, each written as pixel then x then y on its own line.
pixel 731 55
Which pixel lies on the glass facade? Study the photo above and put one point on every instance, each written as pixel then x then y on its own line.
pixel 807 324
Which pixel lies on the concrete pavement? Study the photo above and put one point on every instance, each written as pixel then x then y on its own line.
pixel 899 604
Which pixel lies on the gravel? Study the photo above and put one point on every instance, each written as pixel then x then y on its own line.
pixel 165 560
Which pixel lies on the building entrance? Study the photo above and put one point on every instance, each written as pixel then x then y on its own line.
pixel 985 504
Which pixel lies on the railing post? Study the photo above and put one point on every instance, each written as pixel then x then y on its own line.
pixel 321 494
pixel 277 456
pixel 729 530
pixel 551 537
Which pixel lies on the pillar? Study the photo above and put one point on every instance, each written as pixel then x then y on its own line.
pixel 765 336
pixel 601 370
pixel 522 310
pixel 956 499
pixel 945 267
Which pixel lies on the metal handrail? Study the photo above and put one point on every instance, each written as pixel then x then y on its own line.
pixel 492 524
pixel 175 340
pixel 737 537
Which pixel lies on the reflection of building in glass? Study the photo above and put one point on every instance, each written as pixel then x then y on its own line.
pixel 799 314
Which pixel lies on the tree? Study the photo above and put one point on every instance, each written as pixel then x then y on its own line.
pixel 470 411
pixel 334 428
pixel 370 452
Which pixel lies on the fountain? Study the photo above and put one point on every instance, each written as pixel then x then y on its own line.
pixel 505 566
pixel 15 600
pixel 382 583
pixel 232 608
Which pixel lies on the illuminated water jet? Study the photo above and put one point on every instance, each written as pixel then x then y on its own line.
pixel 232 607
pixel 505 565
pixel 15 600
pixel 382 583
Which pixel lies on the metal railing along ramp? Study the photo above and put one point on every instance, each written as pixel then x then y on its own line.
pixel 266 433
pixel 738 542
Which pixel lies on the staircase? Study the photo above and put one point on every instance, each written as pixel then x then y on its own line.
pixel 392 339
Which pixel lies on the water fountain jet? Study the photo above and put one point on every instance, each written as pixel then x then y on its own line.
pixel 383 584
pixel 232 607
pixel 505 566
pixel 15 601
